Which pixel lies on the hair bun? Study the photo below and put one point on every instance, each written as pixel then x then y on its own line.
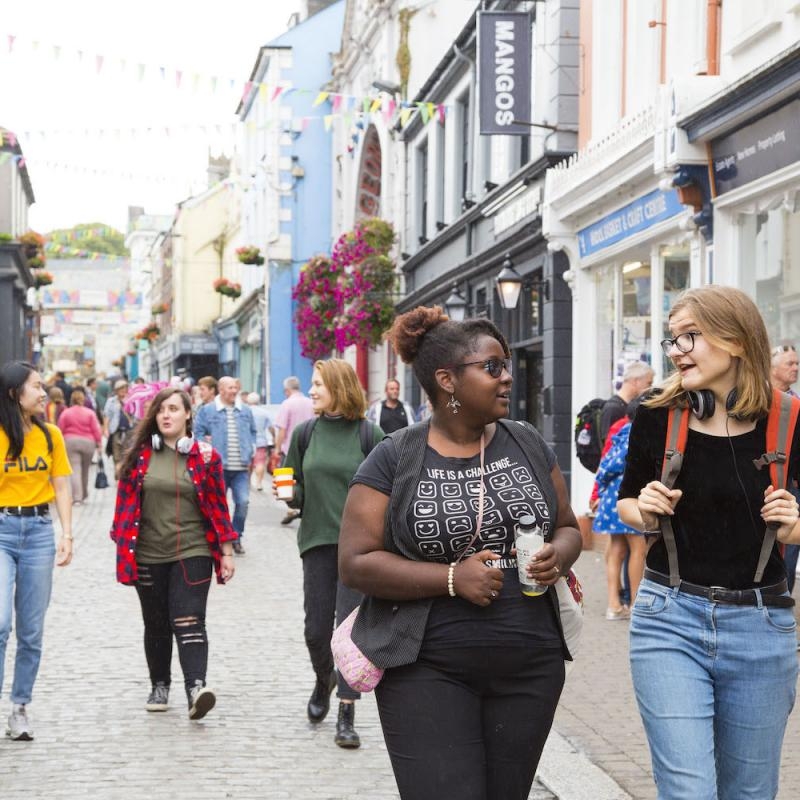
pixel 409 329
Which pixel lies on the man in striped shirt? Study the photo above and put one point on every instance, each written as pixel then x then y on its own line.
pixel 229 425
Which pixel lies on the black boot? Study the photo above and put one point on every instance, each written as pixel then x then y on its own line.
pixel 320 701
pixel 345 734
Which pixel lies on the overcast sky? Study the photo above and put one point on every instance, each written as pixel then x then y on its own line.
pixel 83 81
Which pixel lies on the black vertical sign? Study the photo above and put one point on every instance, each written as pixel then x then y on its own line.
pixel 504 72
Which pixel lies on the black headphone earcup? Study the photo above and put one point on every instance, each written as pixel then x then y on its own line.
pixel 730 400
pixel 702 403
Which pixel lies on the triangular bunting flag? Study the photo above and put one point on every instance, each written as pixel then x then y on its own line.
pixel 321 98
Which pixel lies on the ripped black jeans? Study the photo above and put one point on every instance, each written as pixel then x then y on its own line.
pixel 173 598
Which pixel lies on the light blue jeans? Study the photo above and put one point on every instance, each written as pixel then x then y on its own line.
pixel 238 481
pixel 715 684
pixel 27 553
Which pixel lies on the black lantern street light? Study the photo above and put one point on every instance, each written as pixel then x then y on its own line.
pixel 456 306
pixel 509 284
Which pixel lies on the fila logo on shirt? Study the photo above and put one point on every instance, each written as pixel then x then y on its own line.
pixel 23 465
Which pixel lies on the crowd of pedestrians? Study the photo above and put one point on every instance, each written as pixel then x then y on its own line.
pixel 409 529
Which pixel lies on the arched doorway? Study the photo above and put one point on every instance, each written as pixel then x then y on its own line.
pixel 368 188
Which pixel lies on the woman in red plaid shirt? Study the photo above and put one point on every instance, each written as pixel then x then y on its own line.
pixel 171 526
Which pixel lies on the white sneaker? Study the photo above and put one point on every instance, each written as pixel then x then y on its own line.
pixel 621 613
pixel 19 726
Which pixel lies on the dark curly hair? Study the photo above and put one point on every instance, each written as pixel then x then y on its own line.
pixel 427 339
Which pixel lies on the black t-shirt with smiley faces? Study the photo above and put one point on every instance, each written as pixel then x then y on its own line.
pixel 442 518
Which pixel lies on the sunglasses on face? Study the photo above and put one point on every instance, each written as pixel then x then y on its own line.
pixel 683 341
pixel 494 366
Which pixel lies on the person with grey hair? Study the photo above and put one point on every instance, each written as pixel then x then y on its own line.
pixel 296 408
pixel 637 378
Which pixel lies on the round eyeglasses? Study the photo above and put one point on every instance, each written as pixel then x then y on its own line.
pixel 683 341
pixel 494 366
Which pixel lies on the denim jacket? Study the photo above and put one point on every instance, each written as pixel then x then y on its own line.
pixel 211 420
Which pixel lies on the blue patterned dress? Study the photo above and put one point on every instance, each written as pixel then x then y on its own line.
pixel 609 477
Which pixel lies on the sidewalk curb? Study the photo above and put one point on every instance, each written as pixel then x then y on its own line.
pixel 569 774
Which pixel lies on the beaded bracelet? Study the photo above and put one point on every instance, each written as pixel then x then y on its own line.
pixel 450 579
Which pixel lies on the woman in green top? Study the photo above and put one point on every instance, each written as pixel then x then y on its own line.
pixel 323 471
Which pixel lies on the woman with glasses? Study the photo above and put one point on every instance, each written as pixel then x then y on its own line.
pixel 712 648
pixel 473 667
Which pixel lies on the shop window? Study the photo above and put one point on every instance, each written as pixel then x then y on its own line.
pixel 676 279
pixel 770 263
pixel 636 334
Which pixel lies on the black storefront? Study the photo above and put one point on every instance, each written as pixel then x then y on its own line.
pixel 464 260
pixel 17 320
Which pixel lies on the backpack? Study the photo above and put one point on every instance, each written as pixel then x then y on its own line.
pixel 783 413
pixel 305 429
pixel 588 444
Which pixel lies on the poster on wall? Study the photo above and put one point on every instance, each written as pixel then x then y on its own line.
pixel 504 72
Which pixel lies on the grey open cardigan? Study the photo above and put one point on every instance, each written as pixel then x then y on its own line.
pixel 390 632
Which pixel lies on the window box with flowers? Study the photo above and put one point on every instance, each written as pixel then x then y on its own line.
pixel 228 288
pixel 33 248
pixel 42 278
pixel 150 332
pixel 249 254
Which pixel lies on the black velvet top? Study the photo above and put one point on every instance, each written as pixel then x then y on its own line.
pixel 717 523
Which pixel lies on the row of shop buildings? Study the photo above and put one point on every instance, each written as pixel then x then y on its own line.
pixel 668 162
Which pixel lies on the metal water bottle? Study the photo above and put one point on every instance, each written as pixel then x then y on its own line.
pixel 528 539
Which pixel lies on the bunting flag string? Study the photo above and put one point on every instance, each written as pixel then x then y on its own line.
pixel 266 92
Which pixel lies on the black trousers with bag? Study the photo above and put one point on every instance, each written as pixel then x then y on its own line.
pixel 470 722
pixel 327 601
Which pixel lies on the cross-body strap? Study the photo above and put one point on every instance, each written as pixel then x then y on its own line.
pixel 677 434
pixel 780 433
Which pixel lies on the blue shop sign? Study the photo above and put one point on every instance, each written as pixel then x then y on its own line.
pixel 629 220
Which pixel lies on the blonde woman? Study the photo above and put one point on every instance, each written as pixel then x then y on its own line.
pixel 712 658
pixel 324 464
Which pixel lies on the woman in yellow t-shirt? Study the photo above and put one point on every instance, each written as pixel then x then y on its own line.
pixel 35 471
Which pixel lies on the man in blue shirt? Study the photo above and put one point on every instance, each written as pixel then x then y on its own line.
pixel 231 429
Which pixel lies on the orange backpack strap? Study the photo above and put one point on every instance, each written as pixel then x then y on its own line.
pixel 675 447
pixel 782 419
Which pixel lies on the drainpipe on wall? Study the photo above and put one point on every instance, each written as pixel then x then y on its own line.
pixel 471 121
pixel 712 37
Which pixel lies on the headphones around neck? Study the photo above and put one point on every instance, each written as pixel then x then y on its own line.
pixel 703 404
pixel 183 445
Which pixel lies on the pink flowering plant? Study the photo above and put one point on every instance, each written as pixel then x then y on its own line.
pixel 347 299
pixel 250 254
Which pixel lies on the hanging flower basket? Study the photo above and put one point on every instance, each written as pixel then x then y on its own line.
pixel 228 288
pixel 35 263
pixel 42 279
pixel 250 255
pixel 159 308
pixel 150 332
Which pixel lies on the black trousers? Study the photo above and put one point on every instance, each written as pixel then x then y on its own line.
pixel 470 722
pixel 173 598
pixel 326 601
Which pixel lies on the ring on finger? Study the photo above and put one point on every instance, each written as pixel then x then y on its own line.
pixel 493 594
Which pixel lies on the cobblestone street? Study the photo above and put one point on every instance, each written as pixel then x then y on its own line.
pixel 94 738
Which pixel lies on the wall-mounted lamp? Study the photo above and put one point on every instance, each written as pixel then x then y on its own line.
pixel 509 283
pixel 386 86
pixel 456 306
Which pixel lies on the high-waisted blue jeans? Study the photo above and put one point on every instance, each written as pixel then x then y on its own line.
pixel 27 553
pixel 715 685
